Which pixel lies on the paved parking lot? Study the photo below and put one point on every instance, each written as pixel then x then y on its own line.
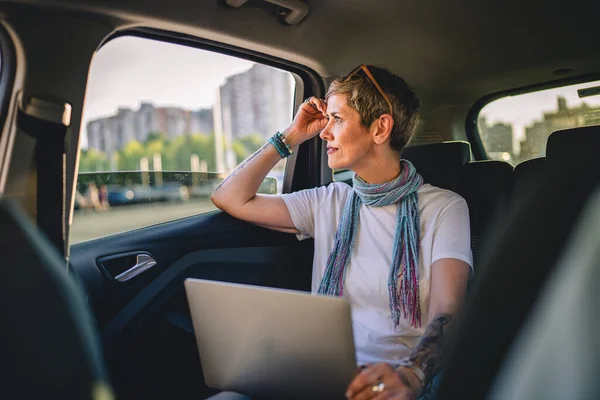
pixel 93 224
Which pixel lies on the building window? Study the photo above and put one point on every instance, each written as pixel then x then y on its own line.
pixel 163 124
pixel 516 128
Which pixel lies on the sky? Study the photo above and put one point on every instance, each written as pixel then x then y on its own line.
pixel 522 110
pixel 130 70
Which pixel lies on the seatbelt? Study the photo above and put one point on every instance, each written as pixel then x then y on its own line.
pixel 47 122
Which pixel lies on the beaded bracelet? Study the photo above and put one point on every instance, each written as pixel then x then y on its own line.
pixel 281 145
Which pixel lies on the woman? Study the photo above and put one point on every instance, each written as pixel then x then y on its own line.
pixel 397 249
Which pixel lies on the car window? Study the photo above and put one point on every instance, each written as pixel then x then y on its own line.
pixel 516 128
pixel 163 124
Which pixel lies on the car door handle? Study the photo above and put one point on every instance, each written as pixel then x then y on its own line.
pixel 143 263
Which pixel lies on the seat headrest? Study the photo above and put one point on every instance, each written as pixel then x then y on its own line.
pixel 534 166
pixel 439 163
pixel 485 185
pixel 497 176
pixel 569 143
pixel 528 176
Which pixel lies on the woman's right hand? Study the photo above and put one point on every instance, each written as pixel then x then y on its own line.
pixel 310 119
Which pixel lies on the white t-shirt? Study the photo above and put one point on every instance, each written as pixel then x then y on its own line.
pixel 445 233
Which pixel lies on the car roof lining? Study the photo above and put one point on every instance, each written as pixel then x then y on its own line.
pixel 452 53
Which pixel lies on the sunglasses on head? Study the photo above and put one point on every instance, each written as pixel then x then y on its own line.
pixel 365 69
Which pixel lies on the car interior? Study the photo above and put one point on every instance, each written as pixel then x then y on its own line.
pixel 106 316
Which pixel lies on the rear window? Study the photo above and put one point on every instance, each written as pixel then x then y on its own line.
pixel 516 128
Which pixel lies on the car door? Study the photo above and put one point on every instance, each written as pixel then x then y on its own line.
pixel 143 221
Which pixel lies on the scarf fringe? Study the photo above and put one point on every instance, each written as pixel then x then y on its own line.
pixel 404 300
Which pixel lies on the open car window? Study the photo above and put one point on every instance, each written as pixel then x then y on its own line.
pixel 516 128
pixel 163 124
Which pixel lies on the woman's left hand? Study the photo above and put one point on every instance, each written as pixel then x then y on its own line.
pixel 381 381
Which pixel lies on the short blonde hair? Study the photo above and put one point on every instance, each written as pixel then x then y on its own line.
pixel 363 96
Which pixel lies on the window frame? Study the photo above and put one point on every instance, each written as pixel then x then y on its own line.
pixel 471 128
pixel 8 72
pixel 303 169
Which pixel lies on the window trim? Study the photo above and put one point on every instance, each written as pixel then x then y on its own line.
pixel 312 84
pixel 8 71
pixel 471 129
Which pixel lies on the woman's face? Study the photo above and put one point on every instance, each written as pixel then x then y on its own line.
pixel 349 143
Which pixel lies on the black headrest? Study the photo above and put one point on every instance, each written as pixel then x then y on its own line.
pixel 528 173
pixel 439 163
pixel 533 167
pixel 567 144
pixel 486 179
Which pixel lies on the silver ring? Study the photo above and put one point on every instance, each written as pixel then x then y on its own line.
pixel 379 387
pixel 307 101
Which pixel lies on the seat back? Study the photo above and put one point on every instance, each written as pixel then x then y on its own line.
pixel 568 144
pixel 528 176
pixel 529 242
pixel 486 186
pixel 550 359
pixel 439 163
pixel 49 340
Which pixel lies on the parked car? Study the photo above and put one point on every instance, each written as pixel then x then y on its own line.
pixel 170 191
pixel 118 195
pixel 122 195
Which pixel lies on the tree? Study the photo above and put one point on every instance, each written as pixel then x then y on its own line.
pixel 177 153
pixel 92 160
pixel 128 158
pixel 246 145
pixel 153 147
pixel 152 136
pixel 253 142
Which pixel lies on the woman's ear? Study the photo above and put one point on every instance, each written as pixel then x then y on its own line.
pixel 383 128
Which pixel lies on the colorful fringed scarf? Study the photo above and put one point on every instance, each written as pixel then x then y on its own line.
pixel 405 254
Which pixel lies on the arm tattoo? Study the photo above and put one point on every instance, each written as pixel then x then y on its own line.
pixel 428 354
pixel 241 166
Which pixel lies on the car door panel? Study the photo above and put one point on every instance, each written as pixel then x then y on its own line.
pixel 133 316
pixel 168 243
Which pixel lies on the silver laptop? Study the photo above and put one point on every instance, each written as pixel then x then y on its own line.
pixel 272 343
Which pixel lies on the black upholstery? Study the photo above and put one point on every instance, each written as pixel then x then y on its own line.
pixel 529 175
pixel 49 346
pixel 529 242
pixel 486 186
pixel 555 356
pixel 568 143
pixel 439 163
pixel 564 143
